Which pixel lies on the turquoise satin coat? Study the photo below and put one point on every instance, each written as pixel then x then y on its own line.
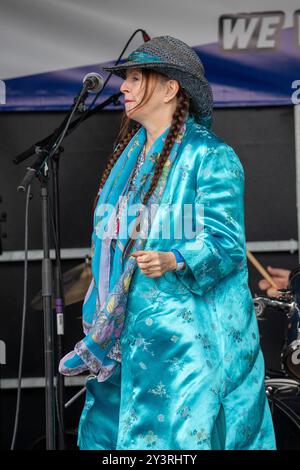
pixel 192 371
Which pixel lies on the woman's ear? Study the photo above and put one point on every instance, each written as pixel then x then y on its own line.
pixel 171 90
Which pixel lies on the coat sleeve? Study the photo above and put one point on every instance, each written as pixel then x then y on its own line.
pixel 218 246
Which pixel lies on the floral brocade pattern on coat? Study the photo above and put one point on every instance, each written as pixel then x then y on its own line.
pixel 192 371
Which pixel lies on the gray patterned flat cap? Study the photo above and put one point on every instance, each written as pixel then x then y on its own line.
pixel 178 61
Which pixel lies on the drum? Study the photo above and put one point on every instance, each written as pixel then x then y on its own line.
pixel 279 327
pixel 273 323
pixel 284 400
pixel 291 351
pixel 291 359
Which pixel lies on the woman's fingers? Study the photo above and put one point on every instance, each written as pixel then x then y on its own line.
pixel 151 273
pixel 154 263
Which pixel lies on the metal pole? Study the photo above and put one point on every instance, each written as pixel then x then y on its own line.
pixel 59 301
pixel 48 322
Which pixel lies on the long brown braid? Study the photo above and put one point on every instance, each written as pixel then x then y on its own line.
pixel 179 117
pixel 117 152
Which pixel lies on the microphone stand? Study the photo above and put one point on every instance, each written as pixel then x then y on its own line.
pixel 113 99
pixel 58 299
pixel 48 319
pixel 73 125
pixel 51 150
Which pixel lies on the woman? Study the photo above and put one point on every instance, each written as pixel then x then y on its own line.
pixel 171 336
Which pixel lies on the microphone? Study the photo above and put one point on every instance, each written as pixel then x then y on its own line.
pixel 93 82
pixel 146 36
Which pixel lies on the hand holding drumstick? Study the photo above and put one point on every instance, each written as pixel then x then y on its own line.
pixel 277 279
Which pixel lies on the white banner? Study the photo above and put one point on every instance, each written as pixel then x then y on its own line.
pixel 250 50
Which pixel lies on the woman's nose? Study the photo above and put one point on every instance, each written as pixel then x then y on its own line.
pixel 124 87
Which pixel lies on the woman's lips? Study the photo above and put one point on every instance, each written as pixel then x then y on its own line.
pixel 128 101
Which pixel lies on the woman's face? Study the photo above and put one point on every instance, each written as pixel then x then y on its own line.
pixel 133 89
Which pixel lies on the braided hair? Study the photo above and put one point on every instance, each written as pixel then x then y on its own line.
pixel 117 152
pixel 125 135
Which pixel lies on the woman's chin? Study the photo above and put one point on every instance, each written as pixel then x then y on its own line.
pixel 131 115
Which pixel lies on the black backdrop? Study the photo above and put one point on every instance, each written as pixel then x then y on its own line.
pixel 262 137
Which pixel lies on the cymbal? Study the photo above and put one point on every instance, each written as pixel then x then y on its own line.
pixel 76 282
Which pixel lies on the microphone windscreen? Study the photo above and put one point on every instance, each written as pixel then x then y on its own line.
pixel 146 36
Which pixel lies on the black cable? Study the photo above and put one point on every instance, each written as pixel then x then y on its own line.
pixel 17 415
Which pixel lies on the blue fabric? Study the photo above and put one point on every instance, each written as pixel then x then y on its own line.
pixel 192 371
pixel 142 57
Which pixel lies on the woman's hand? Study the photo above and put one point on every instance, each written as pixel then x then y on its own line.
pixel 155 263
pixel 281 279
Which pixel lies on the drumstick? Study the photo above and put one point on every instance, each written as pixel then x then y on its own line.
pixel 261 269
